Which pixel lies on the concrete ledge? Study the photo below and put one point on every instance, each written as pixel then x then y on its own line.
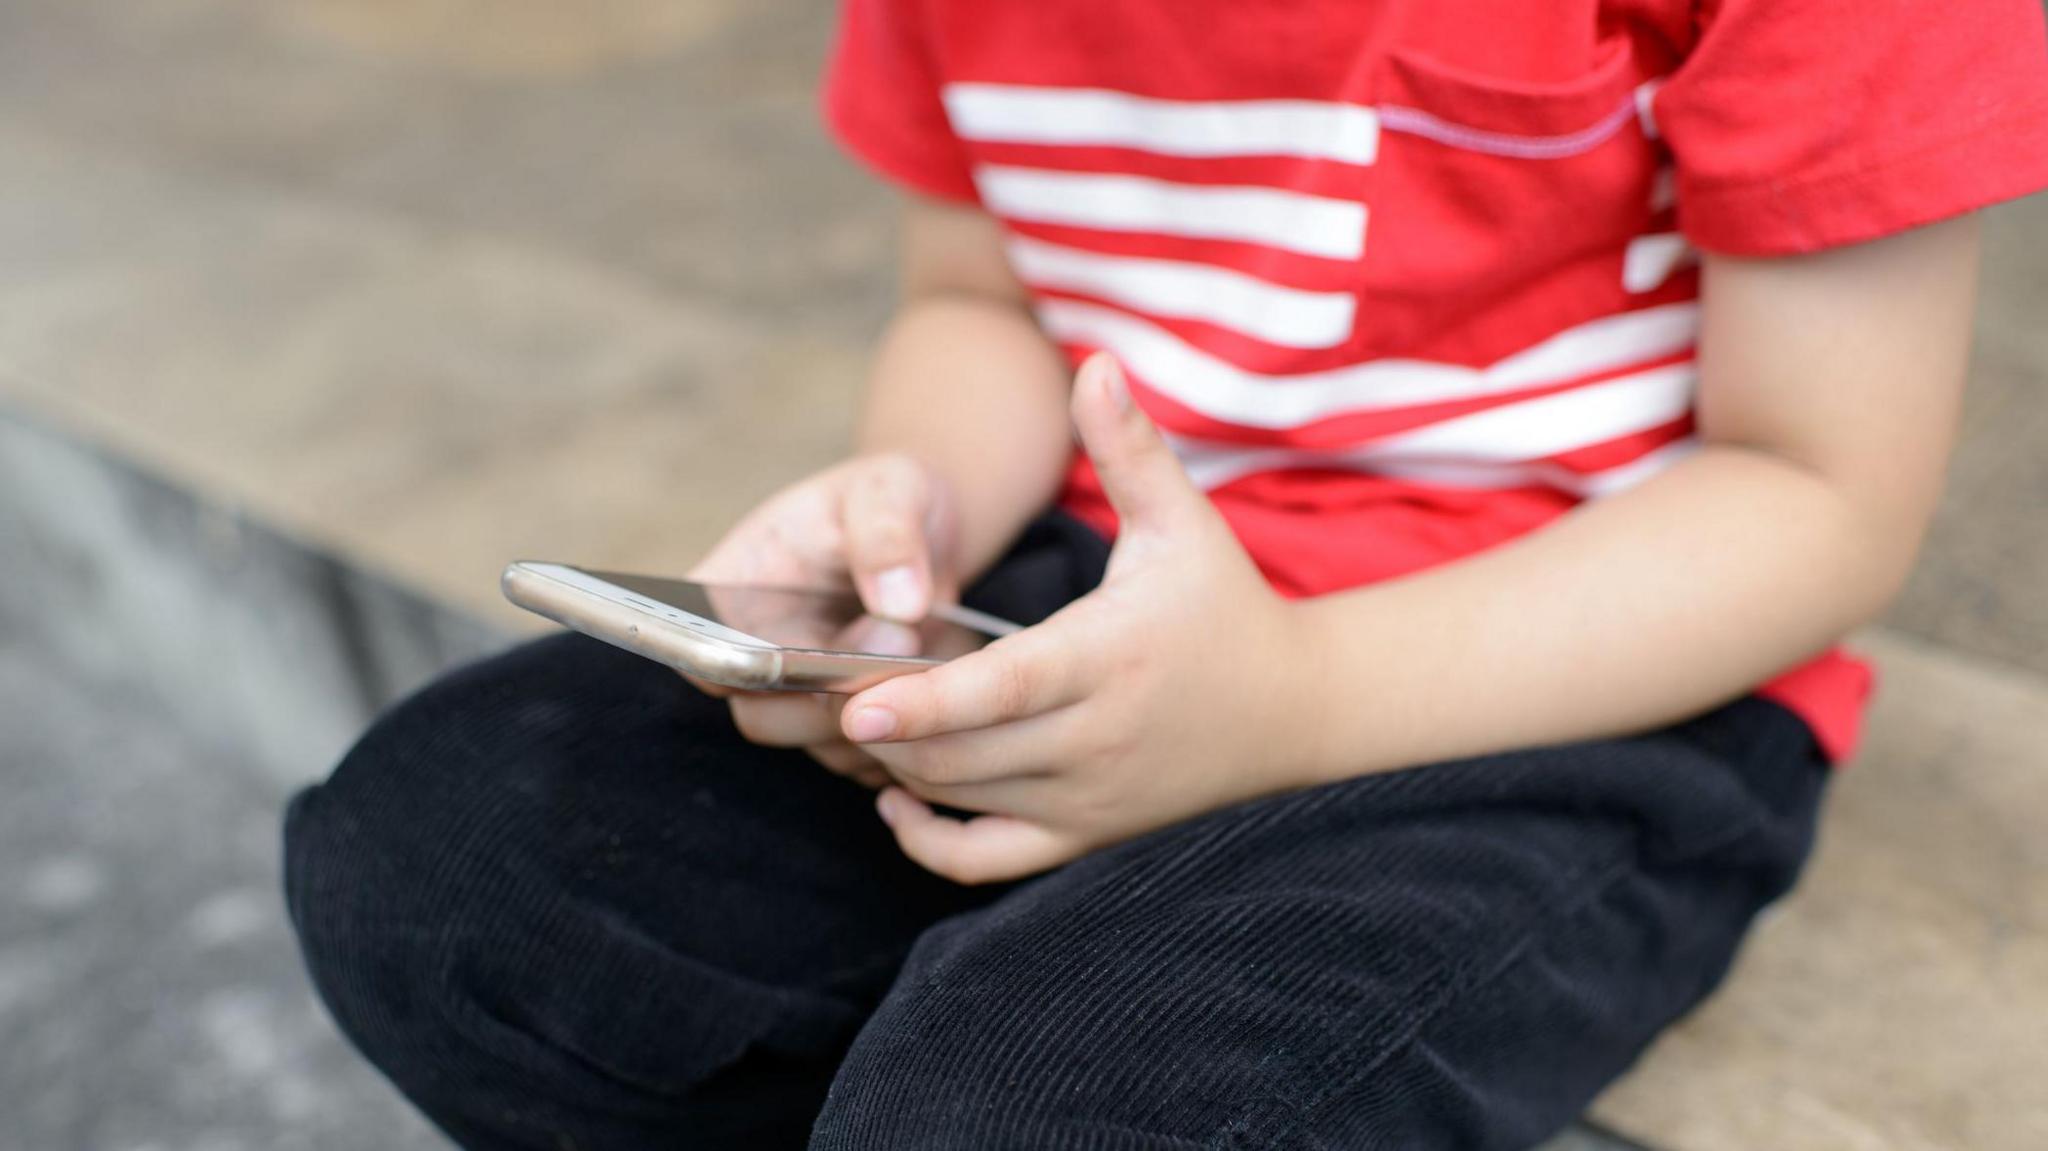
pixel 258 643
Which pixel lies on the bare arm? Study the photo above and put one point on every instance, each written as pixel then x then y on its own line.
pixel 966 384
pixel 963 439
pixel 1830 387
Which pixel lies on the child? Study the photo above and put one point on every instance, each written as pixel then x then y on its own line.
pixel 1499 411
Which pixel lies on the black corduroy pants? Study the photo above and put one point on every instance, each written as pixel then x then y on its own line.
pixel 563 905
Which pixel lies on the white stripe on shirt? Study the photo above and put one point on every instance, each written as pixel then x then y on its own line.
pixel 1585 485
pixel 1221 391
pixel 1312 225
pixel 1095 117
pixel 1499 447
pixel 1286 317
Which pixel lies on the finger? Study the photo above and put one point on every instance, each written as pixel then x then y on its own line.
pixel 786 719
pixel 874 779
pixel 985 849
pixel 884 512
pixel 1027 749
pixel 1029 673
pixel 849 761
pixel 1033 797
pixel 1140 474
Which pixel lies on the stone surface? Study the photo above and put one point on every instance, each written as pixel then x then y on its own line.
pixel 1899 1000
pixel 263 645
pixel 433 403
pixel 674 139
pixel 579 284
pixel 510 38
pixel 149 992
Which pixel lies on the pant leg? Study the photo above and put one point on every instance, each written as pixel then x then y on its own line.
pixel 1458 956
pixel 561 903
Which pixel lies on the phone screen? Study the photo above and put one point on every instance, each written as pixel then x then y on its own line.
pixel 810 620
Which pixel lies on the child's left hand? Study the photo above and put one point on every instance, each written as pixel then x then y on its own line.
pixel 1182 684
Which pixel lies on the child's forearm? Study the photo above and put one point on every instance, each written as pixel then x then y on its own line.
pixel 970 387
pixel 1648 607
pixel 1829 390
pixel 1827 393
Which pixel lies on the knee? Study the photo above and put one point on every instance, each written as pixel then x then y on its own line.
pixel 376 858
pixel 343 899
pixel 426 837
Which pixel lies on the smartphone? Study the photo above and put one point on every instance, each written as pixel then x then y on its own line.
pixel 756 638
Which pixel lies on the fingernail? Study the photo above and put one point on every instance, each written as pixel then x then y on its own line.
pixel 887 637
pixel 899 594
pixel 885 806
pixel 868 724
pixel 1113 382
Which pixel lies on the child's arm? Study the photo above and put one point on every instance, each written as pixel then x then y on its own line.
pixel 966 384
pixel 964 438
pixel 1828 397
pixel 1829 390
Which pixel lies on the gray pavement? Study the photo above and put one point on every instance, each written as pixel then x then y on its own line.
pixel 149 992
pixel 169 673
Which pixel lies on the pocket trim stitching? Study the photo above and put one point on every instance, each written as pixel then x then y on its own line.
pixel 1416 122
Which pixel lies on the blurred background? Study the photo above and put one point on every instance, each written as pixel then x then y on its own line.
pixel 313 313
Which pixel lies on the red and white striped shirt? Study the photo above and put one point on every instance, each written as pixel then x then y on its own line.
pixel 1400 280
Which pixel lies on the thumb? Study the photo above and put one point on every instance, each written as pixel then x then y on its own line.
pixel 1139 471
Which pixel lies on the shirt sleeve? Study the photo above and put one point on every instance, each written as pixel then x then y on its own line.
pixel 1797 125
pixel 881 99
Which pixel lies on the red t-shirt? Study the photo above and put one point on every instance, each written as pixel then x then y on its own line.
pixel 1403 280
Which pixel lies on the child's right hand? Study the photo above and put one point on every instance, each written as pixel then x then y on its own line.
pixel 881 525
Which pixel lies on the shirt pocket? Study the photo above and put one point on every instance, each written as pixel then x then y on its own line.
pixel 1501 205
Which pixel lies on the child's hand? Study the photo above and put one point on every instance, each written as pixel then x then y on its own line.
pixel 1171 690
pixel 881 525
